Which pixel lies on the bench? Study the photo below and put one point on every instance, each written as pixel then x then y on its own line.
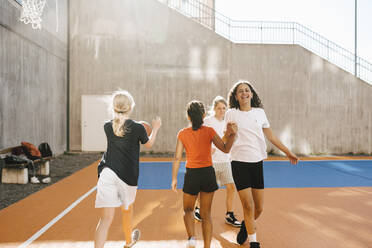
pixel 18 173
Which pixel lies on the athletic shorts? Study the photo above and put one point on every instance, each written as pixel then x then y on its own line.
pixel 199 179
pixel 113 192
pixel 223 173
pixel 247 175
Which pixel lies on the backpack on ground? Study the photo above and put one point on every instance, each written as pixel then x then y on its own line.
pixel 45 150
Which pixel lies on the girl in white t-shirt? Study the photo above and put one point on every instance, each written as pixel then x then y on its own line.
pixel 248 152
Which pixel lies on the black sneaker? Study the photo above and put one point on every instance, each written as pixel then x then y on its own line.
pixel 231 220
pixel 197 214
pixel 254 245
pixel 242 234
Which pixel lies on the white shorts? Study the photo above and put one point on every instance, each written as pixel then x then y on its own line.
pixel 223 173
pixel 113 192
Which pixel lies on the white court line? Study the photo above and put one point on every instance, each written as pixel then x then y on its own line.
pixel 157 162
pixel 115 244
pixel 274 160
pixel 52 222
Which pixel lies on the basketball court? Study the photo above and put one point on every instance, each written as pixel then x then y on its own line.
pixel 322 203
pixel 60 68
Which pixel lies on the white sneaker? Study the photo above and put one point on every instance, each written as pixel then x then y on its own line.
pixel 46 180
pixel 135 237
pixel 197 215
pixel 34 180
pixel 191 243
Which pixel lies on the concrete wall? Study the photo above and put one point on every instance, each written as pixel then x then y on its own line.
pixel 313 106
pixel 33 77
pixel 140 46
pixel 165 60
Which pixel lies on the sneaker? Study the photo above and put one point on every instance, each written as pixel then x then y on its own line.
pixel 46 180
pixel 242 234
pixel 231 220
pixel 254 245
pixel 197 215
pixel 34 180
pixel 191 243
pixel 135 237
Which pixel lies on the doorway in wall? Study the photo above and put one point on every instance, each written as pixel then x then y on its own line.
pixel 94 113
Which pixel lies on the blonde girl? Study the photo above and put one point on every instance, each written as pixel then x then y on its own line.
pixel 119 167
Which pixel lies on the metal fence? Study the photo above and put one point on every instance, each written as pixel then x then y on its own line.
pixel 265 32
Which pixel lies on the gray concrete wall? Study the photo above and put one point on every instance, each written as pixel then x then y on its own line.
pixel 165 60
pixel 33 77
pixel 313 106
pixel 162 58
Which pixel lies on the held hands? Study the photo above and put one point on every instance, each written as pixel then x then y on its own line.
pixel 174 185
pixel 156 123
pixel 231 128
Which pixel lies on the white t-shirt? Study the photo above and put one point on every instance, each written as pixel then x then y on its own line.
pixel 218 126
pixel 249 145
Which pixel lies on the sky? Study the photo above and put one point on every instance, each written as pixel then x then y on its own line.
pixel 333 19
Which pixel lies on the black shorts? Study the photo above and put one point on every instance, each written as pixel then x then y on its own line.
pixel 248 175
pixel 200 179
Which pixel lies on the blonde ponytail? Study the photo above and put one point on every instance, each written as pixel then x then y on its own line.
pixel 122 106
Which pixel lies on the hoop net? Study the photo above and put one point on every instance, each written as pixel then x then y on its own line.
pixel 32 11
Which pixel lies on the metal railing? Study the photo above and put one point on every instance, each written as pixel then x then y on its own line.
pixel 265 32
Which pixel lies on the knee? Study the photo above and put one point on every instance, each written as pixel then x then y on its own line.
pixel 258 210
pixel 247 207
pixel 230 188
pixel 205 214
pixel 107 219
pixel 187 210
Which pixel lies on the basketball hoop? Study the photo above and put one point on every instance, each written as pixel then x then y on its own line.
pixel 32 11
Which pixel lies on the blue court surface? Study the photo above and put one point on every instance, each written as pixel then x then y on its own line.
pixel 278 174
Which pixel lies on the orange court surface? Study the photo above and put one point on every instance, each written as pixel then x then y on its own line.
pixel 63 214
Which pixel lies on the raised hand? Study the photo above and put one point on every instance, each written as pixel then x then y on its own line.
pixel 156 123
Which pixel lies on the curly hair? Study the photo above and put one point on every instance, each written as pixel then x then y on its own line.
pixel 196 111
pixel 233 103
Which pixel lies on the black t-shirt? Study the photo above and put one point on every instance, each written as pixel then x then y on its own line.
pixel 122 154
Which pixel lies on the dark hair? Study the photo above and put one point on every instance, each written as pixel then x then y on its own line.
pixel 233 103
pixel 195 110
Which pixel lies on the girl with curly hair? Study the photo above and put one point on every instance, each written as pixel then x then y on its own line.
pixel 248 152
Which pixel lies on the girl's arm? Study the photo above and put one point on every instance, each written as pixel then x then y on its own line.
pixel 156 123
pixel 231 128
pixel 276 142
pixel 213 151
pixel 229 136
pixel 176 164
